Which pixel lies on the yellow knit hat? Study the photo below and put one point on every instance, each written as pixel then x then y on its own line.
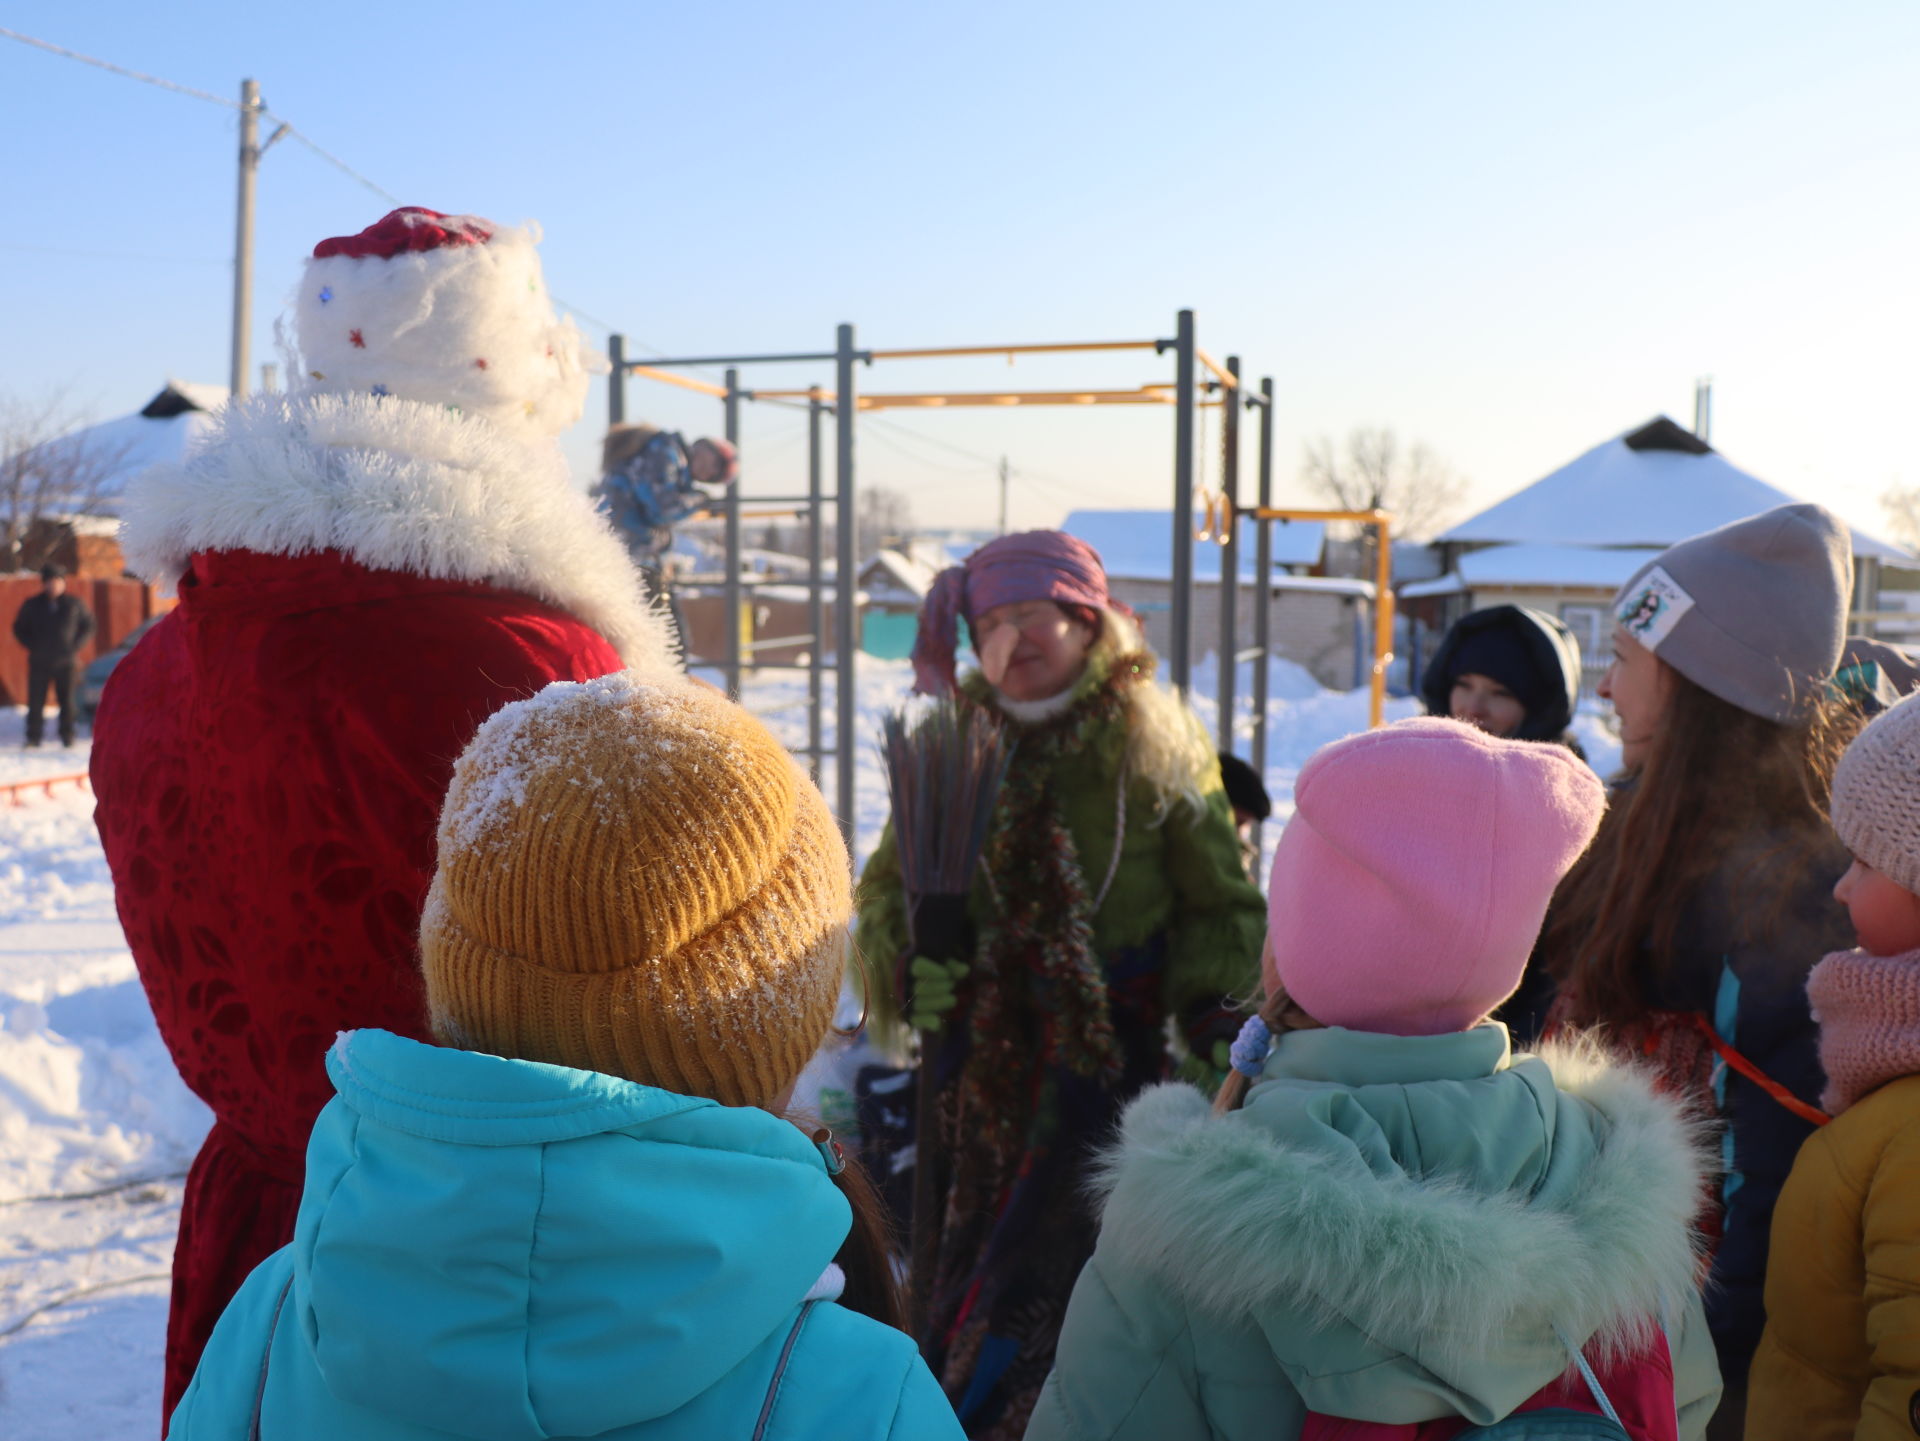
pixel 636 879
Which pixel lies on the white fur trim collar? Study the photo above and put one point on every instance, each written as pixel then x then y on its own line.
pixel 1231 1218
pixel 1036 712
pixel 396 485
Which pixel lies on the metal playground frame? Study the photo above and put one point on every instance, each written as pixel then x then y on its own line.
pixel 1199 382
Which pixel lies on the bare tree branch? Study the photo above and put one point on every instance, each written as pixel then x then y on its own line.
pixel 884 517
pixel 1901 505
pixel 1420 489
pixel 49 470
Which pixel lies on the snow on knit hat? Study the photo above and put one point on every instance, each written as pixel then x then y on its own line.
pixel 1876 795
pixel 635 878
pixel 1754 612
pixel 1409 887
pixel 1028 565
pixel 444 309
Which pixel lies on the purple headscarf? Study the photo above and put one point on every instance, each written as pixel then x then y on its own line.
pixel 1031 565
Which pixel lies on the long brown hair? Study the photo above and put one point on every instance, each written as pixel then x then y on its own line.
pixel 866 1256
pixel 1717 780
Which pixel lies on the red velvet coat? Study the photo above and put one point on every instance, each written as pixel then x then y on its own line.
pixel 271 759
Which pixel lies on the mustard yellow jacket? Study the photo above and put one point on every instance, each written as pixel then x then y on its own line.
pixel 1841 1354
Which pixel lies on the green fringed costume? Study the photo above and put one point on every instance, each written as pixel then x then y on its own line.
pixel 1083 959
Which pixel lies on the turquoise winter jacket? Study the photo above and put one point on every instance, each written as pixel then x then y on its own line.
pixel 501 1249
pixel 1393 1229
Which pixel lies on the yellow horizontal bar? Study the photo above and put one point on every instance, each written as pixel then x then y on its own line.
pixel 685 382
pixel 1145 395
pixel 1220 371
pixel 1010 350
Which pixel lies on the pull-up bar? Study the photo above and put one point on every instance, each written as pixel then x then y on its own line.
pixel 1197 375
pixel 1156 394
pixel 1059 348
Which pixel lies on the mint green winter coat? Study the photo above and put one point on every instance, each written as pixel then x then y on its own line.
pixel 1391 1230
pixel 502 1249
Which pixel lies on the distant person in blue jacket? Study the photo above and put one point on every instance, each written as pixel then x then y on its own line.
pixel 583 1212
pixel 650 481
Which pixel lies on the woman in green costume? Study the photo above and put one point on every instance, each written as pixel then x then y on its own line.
pixel 1113 927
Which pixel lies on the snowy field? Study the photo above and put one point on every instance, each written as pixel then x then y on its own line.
pixel 96 1131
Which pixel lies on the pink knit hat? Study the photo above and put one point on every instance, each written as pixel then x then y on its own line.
pixel 1409 887
pixel 1028 565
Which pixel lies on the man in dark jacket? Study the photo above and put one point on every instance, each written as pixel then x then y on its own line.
pixel 53 626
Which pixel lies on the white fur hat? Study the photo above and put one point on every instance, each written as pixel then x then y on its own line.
pixel 444 309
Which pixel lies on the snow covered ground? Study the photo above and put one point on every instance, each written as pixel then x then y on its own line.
pixel 96 1131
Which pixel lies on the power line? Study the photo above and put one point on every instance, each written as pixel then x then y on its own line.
pixel 335 161
pixel 109 66
pixel 116 255
pixel 287 129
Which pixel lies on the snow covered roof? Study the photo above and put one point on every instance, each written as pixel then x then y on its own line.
pixel 1546 566
pixel 912 575
pixel 160 432
pixel 1137 544
pixel 1648 487
pixel 1331 584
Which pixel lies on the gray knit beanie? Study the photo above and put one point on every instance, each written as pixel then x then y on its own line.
pixel 1754 612
pixel 1876 795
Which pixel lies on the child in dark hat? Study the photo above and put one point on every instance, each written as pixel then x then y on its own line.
pixel 1509 669
pixel 1251 805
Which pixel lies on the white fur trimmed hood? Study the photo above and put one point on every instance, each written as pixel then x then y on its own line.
pixel 1302 1218
pixel 397 485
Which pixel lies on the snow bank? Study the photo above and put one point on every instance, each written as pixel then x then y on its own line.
pixel 89 1102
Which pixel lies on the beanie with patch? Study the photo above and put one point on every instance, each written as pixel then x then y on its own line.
pixel 1754 612
pixel 1410 885
pixel 635 878
pixel 1876 795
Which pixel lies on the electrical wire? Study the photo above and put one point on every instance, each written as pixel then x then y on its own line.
pixel 117 255
pixel 334 160
pixel 108 65
pixel 287 129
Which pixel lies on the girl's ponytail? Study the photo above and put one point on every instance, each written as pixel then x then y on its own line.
pixel 866 1256
pixel 1250 1051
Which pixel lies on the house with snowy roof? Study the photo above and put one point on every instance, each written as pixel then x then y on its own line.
pixel 84 473
pixel 1321 622
pixel 1569 541
pixel 161 431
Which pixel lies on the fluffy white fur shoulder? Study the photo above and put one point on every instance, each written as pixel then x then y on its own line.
pixel 1231 1218
pixel 397 485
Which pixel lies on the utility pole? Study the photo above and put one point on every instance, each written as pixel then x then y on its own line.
pixel 1003 495
pixel 243 234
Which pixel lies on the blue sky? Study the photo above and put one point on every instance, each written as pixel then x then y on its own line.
pixel 1509 231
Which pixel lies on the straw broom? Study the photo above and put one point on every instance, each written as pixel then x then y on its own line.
pixel 945 764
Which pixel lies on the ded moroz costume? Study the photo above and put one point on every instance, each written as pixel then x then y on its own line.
pixel 368 566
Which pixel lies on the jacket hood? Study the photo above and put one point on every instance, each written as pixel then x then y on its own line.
pixel 396 485
pixel 509 1250
pixel 1549 645
pixel 1415 1212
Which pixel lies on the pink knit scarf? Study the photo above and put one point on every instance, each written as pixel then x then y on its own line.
pixel 1868 1008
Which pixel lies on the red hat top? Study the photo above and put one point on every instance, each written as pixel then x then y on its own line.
pixel 410 228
